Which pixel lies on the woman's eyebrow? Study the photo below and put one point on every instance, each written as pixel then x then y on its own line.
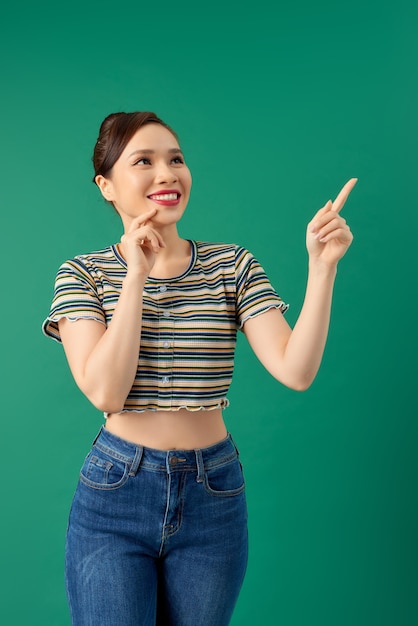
pixel 146 151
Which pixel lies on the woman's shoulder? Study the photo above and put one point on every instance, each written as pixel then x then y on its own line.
pixel 235 252
pixel 97 256
pixel 218 247
pixel 105 257
pixel 92 267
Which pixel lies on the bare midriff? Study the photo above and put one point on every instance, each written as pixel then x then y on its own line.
pixel 169 430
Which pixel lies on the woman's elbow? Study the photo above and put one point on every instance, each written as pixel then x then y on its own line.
pixel 105 402
pixel 107 407
pixel 298 383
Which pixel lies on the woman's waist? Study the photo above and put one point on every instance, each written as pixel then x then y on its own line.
pixel 153 459
pixel 169 430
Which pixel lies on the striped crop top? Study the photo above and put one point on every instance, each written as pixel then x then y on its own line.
pixel 190 321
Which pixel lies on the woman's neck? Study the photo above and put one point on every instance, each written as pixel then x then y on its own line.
pixel 172 260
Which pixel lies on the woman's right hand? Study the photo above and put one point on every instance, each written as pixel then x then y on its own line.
pixel 141 243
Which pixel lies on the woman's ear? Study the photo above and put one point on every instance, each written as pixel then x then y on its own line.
pixel 105 186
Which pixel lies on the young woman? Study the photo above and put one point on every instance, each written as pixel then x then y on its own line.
pixel 157 531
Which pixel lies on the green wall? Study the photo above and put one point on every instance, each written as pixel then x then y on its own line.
pixel 277 105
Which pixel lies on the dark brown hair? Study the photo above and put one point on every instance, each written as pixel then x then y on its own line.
pixel 116 130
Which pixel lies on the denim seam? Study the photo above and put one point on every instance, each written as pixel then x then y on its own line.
pixel 102 486
pixel 223 460
pixel 223 494
pixel 176 528
pixel 167 506
pixel 153 467
pixel 113 453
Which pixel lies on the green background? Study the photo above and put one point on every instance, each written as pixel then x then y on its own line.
pixel 277 105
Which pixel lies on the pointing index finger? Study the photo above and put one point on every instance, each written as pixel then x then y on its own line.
pixel 142 219
pixel 340 200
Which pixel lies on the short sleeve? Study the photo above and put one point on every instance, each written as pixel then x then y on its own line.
pixel 75 297
pixel 254 292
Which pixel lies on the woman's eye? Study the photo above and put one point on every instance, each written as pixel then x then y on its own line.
pixel 177 160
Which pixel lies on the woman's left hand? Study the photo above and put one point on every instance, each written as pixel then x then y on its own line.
pixel 328 236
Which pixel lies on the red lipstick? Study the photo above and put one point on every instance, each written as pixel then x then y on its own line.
pixel 166 197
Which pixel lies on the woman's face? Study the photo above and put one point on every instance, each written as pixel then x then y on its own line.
pixel 150 173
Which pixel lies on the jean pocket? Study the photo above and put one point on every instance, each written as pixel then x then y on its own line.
pixel 101 471
pixel 225 480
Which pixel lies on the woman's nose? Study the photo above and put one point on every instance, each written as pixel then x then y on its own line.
pixel 165 174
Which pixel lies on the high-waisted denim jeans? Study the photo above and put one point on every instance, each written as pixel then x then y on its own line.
pixel 156 537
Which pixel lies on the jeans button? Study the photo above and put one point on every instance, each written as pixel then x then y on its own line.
pixel 173 460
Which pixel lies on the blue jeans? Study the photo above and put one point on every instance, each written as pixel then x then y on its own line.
pixel 156 537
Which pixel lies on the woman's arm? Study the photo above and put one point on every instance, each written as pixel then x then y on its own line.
pixel 294 356
pixel 104 360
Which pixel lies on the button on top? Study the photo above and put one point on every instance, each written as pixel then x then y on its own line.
pixel 166 314
pixel 176 459
pixel 163 288
pixel 165 380
pixel 166 344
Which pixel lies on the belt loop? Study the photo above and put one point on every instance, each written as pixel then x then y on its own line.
pixel 234 444
pixel 137 460
pixel 200 466
pixel 97 436
pixel 167 463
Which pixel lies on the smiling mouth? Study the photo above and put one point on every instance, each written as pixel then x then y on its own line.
pixel 165 197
